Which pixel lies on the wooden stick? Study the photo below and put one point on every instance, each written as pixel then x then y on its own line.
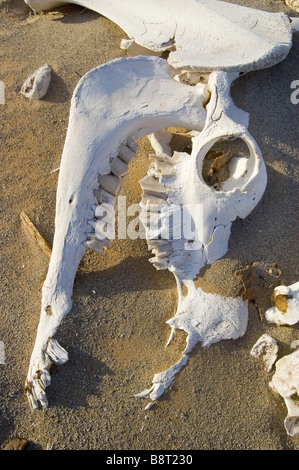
pixel 37 237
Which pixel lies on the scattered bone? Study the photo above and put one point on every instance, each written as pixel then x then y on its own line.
pixel 286 309
pixel 285 381
pixel 267 347
pixel 34 233
pixel 294 344
pixel 37 84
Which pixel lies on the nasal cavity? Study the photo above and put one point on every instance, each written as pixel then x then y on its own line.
pixel 225 164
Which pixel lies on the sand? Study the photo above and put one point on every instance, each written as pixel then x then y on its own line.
pixel 116 333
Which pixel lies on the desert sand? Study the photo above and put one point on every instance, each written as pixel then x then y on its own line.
pixel 116 332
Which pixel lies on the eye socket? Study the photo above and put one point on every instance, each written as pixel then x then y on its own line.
pixel 226 164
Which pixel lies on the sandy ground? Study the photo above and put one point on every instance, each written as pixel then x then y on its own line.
pixel 116 333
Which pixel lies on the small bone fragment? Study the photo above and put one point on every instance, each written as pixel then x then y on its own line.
pixel 266 347
pixel 37 84
pixel 32 230
pixel 118 167
pixel 285 381
pixel 286 309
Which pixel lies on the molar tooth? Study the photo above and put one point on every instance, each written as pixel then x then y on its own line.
pixel 132 144
pixel 105 207
pixel 97 245
pixel 118 167
pixel 125 153
pixel 162 251
pixel 158 242
pixel 151 203
pixel 162 157
pixel 110 183
pixel 103 229
pixel 108 198
pixel 159 263
pixel 98 195
pixel 151 185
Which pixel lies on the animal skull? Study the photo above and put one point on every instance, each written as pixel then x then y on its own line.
pixel 119 102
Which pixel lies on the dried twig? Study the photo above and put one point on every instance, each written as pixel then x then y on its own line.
pixel 37 237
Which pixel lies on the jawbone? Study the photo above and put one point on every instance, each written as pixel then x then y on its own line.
pixel 117 103
pixel 110 108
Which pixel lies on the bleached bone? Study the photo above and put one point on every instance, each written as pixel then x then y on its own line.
pixel 123 99
pixel 286 309
pixel 267 347
pixel 204 317
pixel 200 34
pixel 285 381
pixel 37 84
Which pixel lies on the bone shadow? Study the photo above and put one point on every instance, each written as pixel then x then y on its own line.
pixel 75 14
pixel 132 275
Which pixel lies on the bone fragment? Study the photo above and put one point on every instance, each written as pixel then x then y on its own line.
pixel 286 309
pixel 34 233
pixel 37 84
pixel 285 381
pixel 267 347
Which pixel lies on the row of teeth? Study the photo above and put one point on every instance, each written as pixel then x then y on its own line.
pixel 155 207
pixel 106 194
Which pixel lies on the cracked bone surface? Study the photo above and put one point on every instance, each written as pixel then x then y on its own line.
pixel 119 102
pixel 200 34
pixel 285 381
